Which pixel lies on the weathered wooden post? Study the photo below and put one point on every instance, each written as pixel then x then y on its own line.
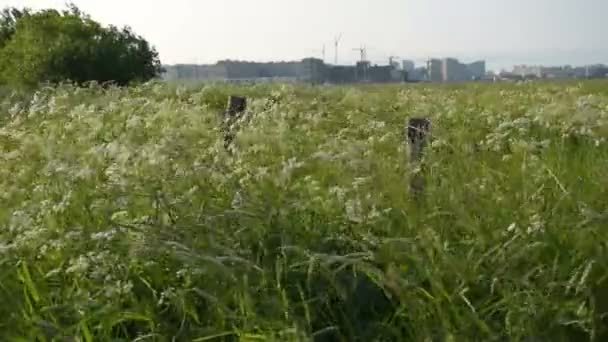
pixel 417 134
pixel 236 106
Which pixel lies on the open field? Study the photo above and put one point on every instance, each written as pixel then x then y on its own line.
pixel 122 216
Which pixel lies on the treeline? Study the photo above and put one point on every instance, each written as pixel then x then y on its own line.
pixel 52 46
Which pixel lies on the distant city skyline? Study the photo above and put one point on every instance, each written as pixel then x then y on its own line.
pixel 501 32
pixel 494 63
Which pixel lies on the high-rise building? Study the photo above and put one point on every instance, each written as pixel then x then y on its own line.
pixel 362 70
pixel 453 70
pixel 435 70
pixel 477 69
pixel 408 65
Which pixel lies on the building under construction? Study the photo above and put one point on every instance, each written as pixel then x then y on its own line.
pixel 312 70
pixel 452 70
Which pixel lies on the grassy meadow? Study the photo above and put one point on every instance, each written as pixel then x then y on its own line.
pixel 124 218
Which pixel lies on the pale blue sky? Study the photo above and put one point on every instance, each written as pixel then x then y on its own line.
pixel 504 32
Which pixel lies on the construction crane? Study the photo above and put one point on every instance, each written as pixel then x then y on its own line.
pixel 336 43
pixel 323 53
pixel 391 59
pixel 363 52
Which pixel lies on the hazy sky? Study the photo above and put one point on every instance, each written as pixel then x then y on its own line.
pixel 504 32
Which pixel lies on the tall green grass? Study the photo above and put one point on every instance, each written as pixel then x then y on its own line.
pixel 123 218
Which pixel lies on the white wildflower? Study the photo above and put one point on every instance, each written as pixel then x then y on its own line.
pixel 512 227
pixel 134 122
pixel 360 181
pixel 261 173
pixel 78 266
pixel 339 192
pixel 536 224
pixel 119 289
pixel 6 249
pixel 237 200
pixel 107 235
pixel 291 165
pixel 353 210
pixel 84 173
pixel 374 213
pixel 120 216
pixel 322 155
pixel 167 296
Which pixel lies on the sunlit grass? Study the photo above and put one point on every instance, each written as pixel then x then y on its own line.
pixel 122 217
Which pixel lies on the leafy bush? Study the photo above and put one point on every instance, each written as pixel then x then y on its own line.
pixel 58 46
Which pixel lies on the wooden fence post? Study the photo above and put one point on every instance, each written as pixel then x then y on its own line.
pixel 417 134
pixel 236 106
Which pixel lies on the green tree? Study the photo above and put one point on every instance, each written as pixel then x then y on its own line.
pixel 55 46
pixel 8 19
